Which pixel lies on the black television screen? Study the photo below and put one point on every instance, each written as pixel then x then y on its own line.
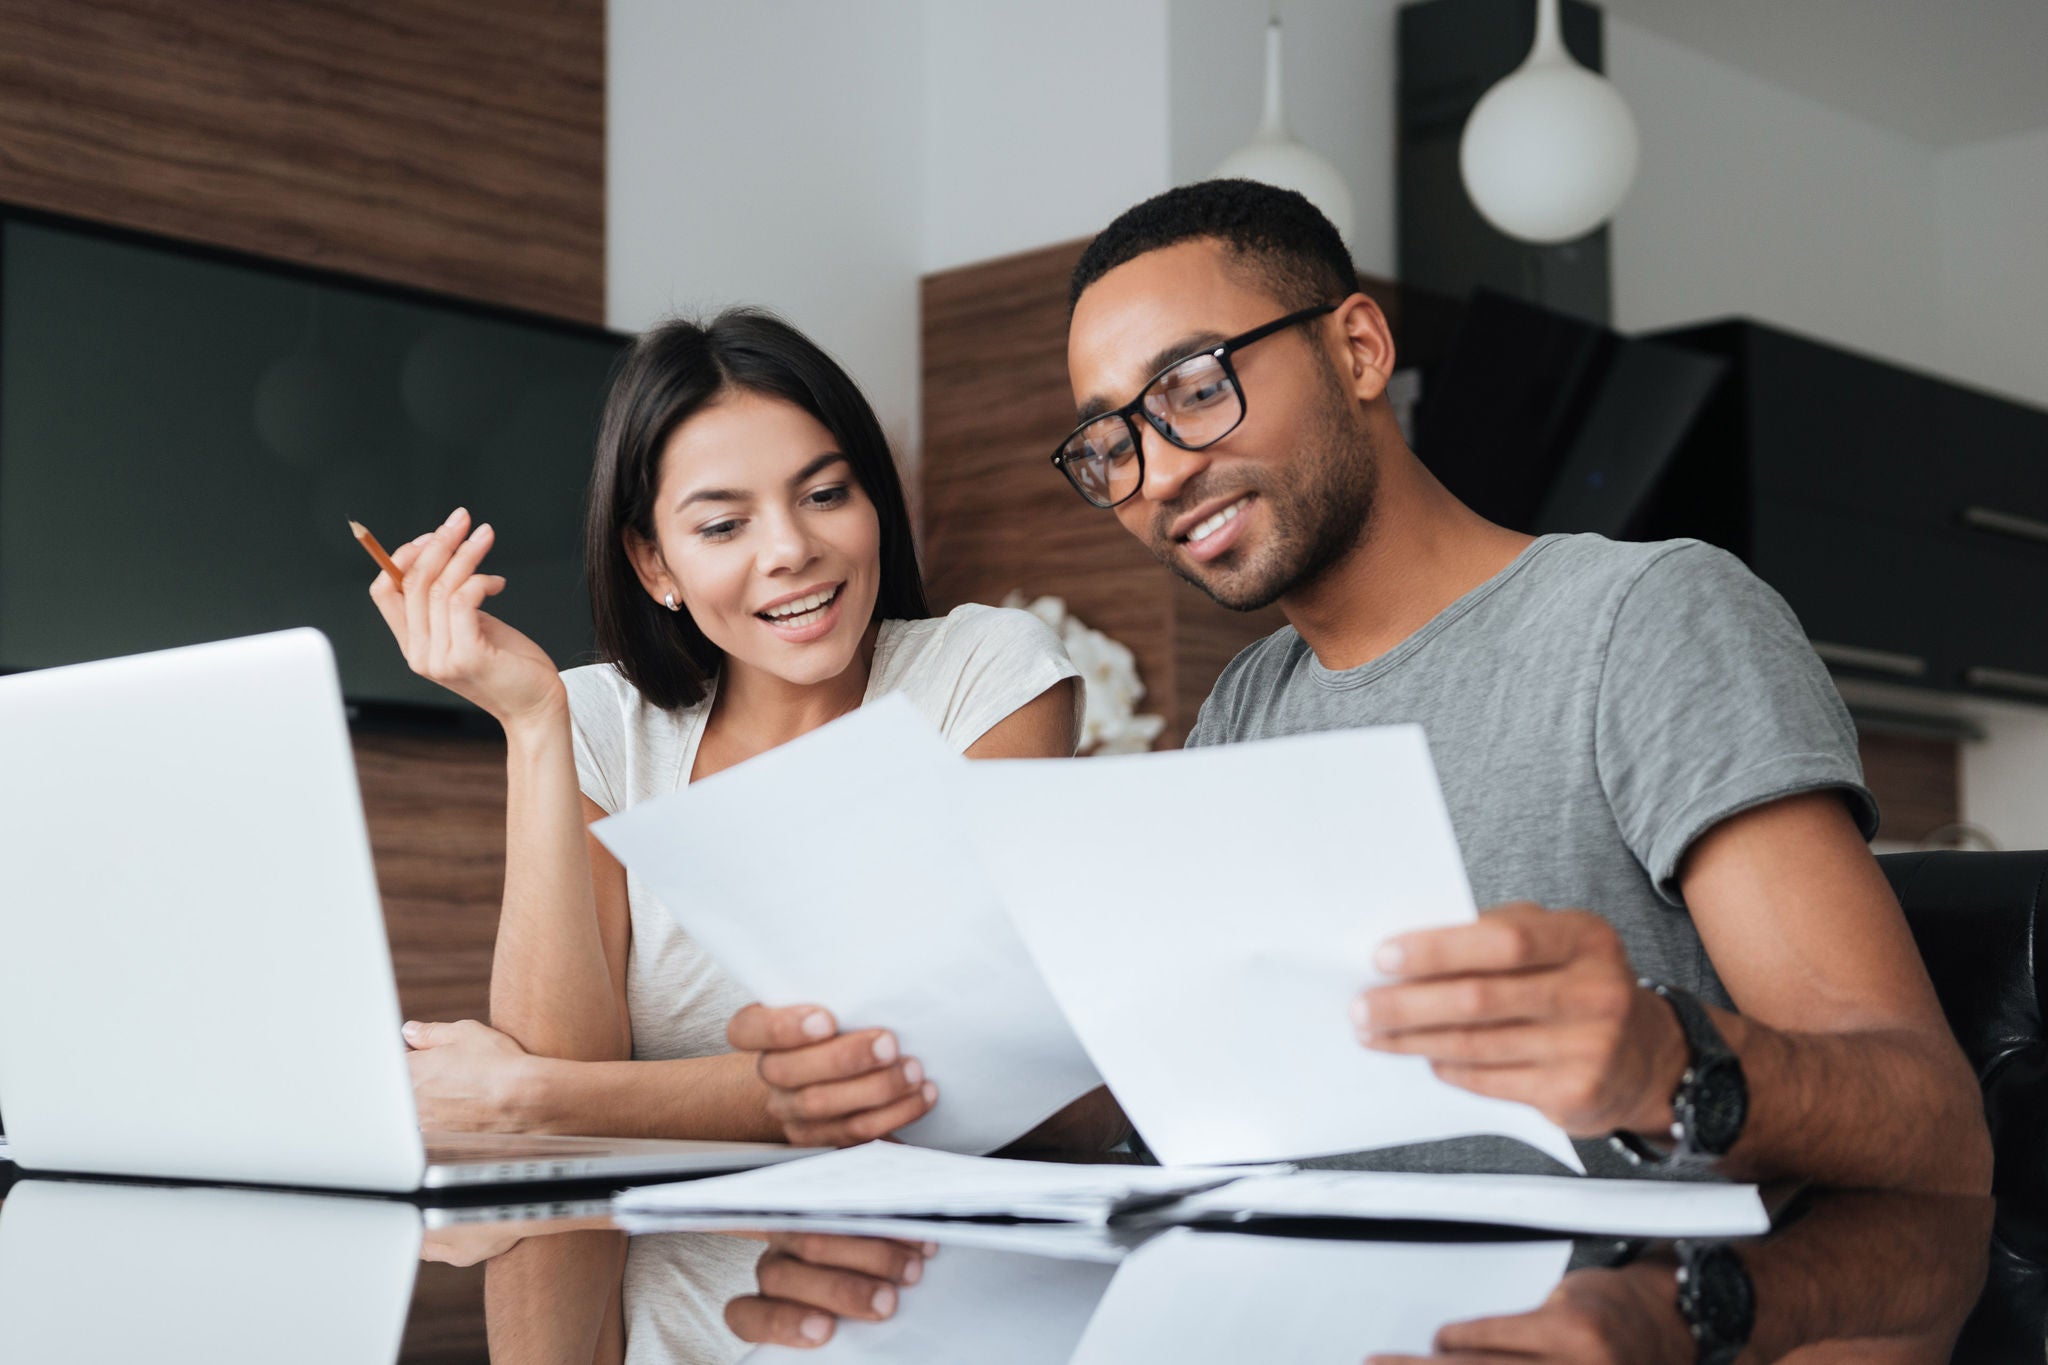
pixel 184 435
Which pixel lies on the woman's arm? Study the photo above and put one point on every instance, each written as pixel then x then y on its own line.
pixel 557 1298
pixel 558 972
pixel 557 980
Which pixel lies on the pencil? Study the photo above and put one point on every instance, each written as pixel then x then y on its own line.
pixel 369 542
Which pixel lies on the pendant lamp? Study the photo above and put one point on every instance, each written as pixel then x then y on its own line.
pixel 1549 153
pixel 1275 157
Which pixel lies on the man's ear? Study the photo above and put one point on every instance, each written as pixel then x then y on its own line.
pixel 1366 361
pixel 648 566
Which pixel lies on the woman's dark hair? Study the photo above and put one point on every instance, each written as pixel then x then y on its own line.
pixel 671 374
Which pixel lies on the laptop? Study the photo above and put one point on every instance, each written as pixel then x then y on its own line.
pixel 111 1274
pixel 194 977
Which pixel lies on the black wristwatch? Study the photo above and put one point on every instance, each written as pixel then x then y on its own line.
pixel 1717 1299
pixel 1712 1100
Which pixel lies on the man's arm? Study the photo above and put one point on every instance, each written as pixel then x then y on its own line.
pixel 1854 1078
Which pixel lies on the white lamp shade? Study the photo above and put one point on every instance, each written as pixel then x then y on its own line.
pixel 1275 157
pixel 1549 153
pixel 1284 162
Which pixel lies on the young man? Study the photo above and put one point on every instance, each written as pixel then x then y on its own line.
pixel 1650 774
pixel 1644 761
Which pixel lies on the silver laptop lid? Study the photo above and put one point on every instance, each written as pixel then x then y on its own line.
pixel 117 1274
pixel 196 981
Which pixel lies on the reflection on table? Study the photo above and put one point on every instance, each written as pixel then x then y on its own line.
pixel 93 1272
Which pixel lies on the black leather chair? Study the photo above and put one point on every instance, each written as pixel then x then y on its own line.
pixel 1977 918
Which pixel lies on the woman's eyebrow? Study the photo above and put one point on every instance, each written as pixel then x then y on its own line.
pixel 823 462
pixel 712 495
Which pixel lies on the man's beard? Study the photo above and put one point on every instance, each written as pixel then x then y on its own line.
pixel 1318 515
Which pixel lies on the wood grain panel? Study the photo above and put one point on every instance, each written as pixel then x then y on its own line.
pixel 436 809
pixel 997 516
pixel 1917 782
pixel 446 1325
pixel 436 143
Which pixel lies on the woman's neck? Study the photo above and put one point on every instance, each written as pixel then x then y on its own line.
pixel 754 710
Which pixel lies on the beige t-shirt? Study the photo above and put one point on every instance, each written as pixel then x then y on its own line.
pixel 964 672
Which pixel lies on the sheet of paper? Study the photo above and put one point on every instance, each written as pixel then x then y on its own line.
pixel 895 1179
pixel 1198 1297
pixel 836 871
pixel 1060 1241
pixel 1608 1208
pixel 990 1307
pixel 1206 918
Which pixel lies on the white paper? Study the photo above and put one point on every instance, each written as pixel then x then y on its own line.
pixel 1198 1297
pixel 1060 1241
pixel 836 871
pixel 989 1307
pixel 895 1179
pixel 1607 1208
pixel 1206 918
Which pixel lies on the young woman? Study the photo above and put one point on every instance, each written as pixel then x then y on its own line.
pixel 752 577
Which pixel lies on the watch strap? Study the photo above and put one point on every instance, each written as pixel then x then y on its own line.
pixel 1704 1048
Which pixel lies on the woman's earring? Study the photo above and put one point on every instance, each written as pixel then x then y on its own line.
pixel 669 600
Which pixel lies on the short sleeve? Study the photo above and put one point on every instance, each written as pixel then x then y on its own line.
pixel 990 662
pixel 1711 702
pixel 597 732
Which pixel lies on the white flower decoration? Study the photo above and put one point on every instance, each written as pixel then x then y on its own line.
pixel 1110 671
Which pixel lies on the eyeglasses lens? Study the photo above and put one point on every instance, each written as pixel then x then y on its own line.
pixel 1102 462
pixel 1195 402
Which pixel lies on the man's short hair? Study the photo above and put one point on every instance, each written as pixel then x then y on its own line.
pixel 1280 239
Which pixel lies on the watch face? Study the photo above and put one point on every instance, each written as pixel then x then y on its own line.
pixel 1719 1103
pixel 1718 1300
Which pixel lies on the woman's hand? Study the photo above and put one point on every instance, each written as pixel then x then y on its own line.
pixel 448 638
pixel 809 1280
pixel 829 1089
pixel 468 1078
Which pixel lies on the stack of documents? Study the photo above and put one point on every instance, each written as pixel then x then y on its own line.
pixel 889 1179
pixel 1606 1208
pixel 852 1189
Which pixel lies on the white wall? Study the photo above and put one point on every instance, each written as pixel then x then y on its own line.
pixel 1042 121
pixel 1992 202
pixel 1340 99
pixel 772 154
pixel 1756 201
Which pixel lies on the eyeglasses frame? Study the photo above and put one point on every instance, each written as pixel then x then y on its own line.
pixel 1221 352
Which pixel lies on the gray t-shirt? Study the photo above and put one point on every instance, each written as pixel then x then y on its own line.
pixel 1593 709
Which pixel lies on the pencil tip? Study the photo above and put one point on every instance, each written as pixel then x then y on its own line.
pixel 356 528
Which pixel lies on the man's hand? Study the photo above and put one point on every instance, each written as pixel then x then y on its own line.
pixel 1532 1005
pixel 809 1280
pixel 468 1078
pixel 829 1089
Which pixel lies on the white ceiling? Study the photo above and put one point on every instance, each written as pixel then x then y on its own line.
pixel 1941 72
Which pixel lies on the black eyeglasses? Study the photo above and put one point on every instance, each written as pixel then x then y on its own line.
pixel 1194 402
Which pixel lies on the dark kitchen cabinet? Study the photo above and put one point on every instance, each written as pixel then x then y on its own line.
pixel 1905 518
